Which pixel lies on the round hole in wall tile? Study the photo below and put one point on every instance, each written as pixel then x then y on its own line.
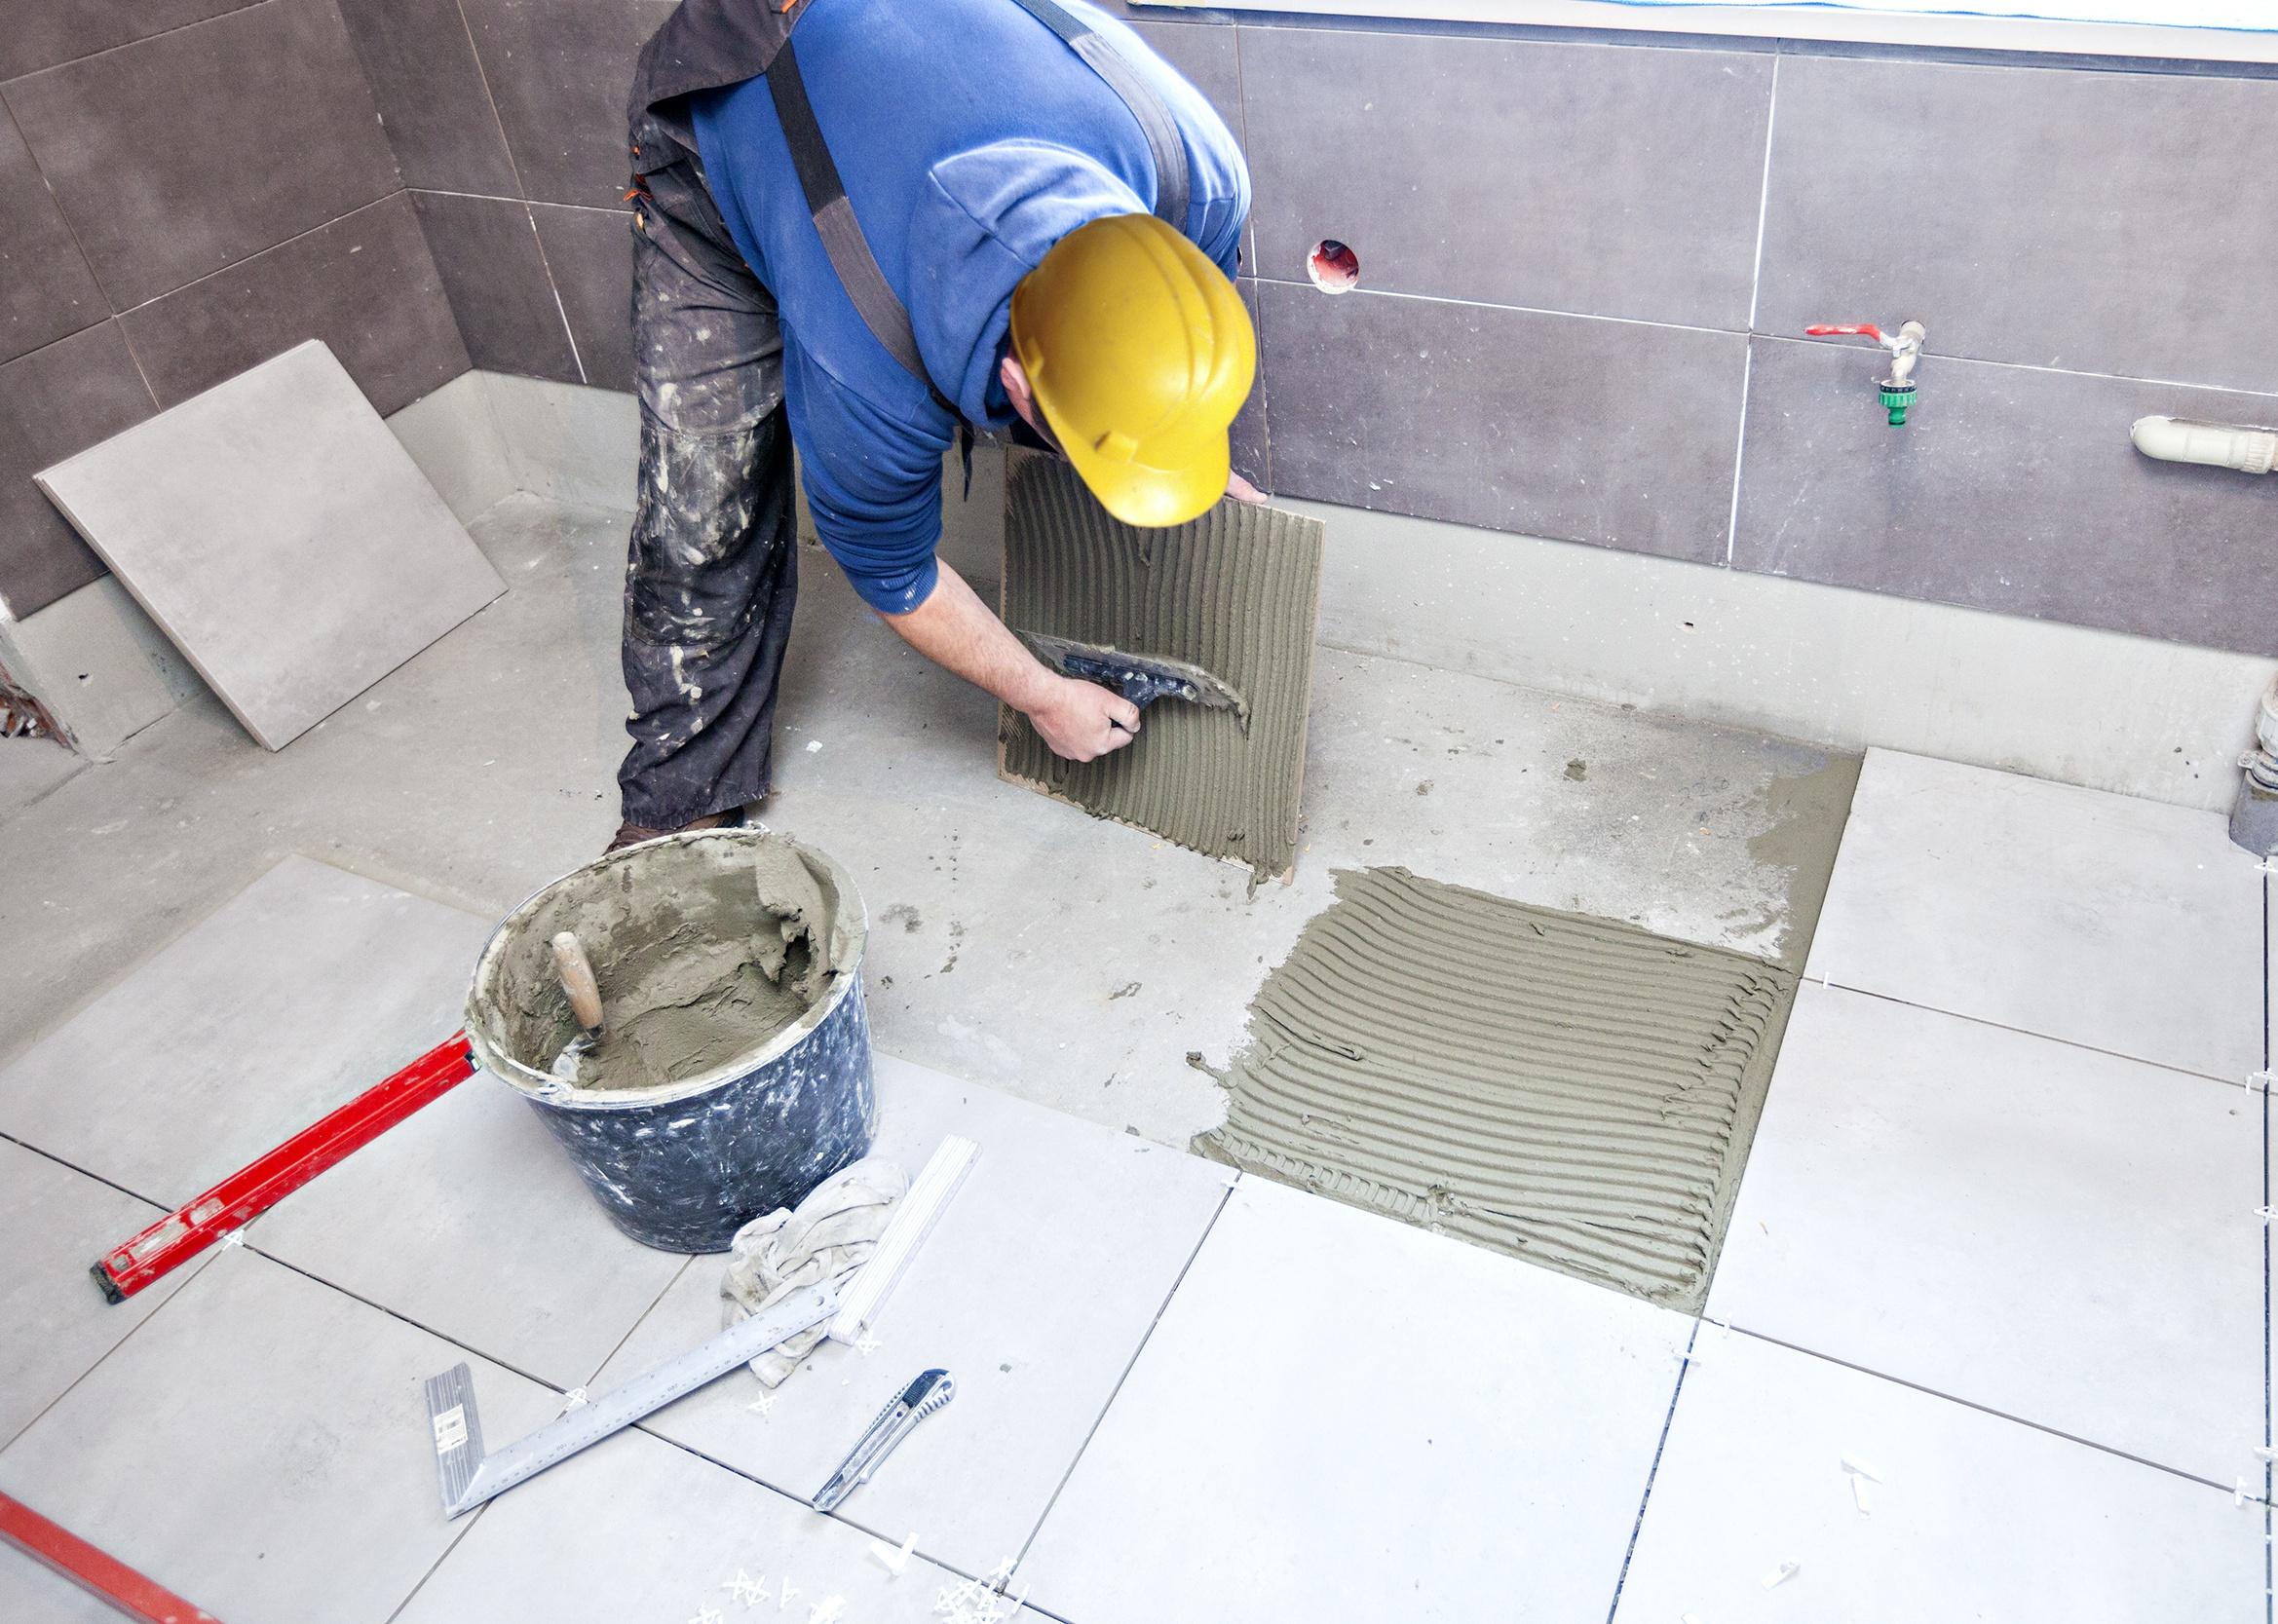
pixel 1334 267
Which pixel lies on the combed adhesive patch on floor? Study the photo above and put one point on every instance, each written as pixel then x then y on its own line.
pixel 1571 1090
pixel 1236 592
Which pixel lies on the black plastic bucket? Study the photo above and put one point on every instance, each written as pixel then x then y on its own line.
pixel 683 1164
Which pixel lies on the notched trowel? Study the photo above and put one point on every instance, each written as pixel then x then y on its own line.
pixel 1141 678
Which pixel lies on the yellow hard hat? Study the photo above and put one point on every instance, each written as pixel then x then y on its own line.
pixel 1139 354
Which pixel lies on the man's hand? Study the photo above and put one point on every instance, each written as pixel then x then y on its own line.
pixel 1241 490
pixel 1080 721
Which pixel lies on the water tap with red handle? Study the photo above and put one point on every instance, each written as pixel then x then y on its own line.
pixel 1905 347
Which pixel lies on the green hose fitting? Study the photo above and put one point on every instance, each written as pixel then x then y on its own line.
pixel 1896 399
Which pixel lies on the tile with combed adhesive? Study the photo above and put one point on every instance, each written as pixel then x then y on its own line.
pixel 678 1534
pixel 54 1322
pixel 280 536
pixel 261 1447
pixel 300 993
pixel 2054 1233
pixel 1033 1291
pixel 2120 923
pixel 492 1241
pixel 1973 1517
pixel 1341 1417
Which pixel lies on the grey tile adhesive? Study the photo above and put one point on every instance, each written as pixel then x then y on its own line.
pixel 1236 592
pixel 1570 1090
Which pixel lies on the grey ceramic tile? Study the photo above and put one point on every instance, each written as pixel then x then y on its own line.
pixel 2093 917
pixel 32 1592
pixel 1609 180
pixel 1035 1291
pixel 261 1447
pixel 42 33
pixel 46 289
pixel 559 71
pixel 2040 1230
pixel 2008 489
pixel 146 146
pixel 54 1322
pixel 678 1531
pixel 52 403
pixel 419 60
pixel 497 1203
pixel 1974 1516
pixel 298 994
pixel 589 251
pixel 365 284
pixel 1341 1417
pixel 2087 220
pixel 32 768
pixel 281 536
pixel 1612 432
pixel 486 252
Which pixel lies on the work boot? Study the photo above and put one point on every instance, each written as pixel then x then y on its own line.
pixel 632 834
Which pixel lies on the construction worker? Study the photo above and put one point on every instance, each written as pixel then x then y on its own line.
pixel 859 227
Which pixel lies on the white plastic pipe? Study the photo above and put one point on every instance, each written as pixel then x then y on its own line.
pixel 2177 439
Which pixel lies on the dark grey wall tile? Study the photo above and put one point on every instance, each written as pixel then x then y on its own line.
pixel 1252 449
pixel 2093 221
pixel 40 33
pixel 420 63
pixel 486 252
pixel 589 251
pixel 1607 180
pixel 1614 432
pixel 2009 489
pixel 46 289
pixel 559 71
pixel 1211 60
pixel 365 284
pixel 176 156
pixel 54 402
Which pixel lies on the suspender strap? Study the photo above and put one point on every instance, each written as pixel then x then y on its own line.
pixel 842 236
pixel 1171 186
pixel 849 250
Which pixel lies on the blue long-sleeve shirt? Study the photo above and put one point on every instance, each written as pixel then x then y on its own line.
pixel 971 138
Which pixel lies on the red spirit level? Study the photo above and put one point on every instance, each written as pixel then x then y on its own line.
pixel 269 1179
pixel 93 1570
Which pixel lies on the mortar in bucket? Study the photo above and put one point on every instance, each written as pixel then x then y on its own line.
pixel 733 1074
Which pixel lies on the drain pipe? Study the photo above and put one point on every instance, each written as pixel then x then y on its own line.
pixel 2243 449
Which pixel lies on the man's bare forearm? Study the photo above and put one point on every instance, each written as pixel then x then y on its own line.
pixel 958 632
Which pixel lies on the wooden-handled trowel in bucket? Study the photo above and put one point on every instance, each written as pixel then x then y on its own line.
pixel 1141 678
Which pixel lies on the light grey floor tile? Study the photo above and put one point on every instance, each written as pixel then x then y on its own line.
pixel 54 1321
pixel 32 1594
pixel 303 991
pixel 2095 917
pixel 1034 1292
pixel 279 533
pixel 636 1530
pixel 468 1219
pixel 29 768
pixel 1344 1418
pixel 2056 1235
pixel 1975 1516
pixel 261 1447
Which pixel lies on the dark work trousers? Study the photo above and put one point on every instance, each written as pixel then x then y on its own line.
pixel 712 572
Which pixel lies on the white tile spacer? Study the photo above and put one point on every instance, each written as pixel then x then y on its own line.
pixel 572 1399
pixel 2265 1214
pixel 235 1237
pixel 866 1345
pixel 745 1589
pixel 761 1405
pixel 826 1610
pixel 2258 1082
pixel 2263 1452
pixel 2241 1494
pixel 783 1594
pixel 1859 1468
pixel 709 1615
pixel 1859 1496
pixel 892 1559
pixel 1781 1574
